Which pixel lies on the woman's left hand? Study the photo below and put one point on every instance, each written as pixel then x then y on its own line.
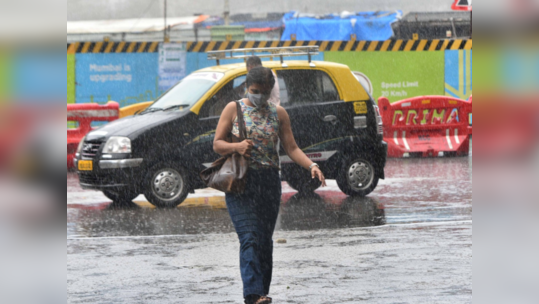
pixel 317 173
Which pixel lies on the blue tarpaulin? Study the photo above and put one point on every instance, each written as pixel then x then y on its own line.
pixel 373 26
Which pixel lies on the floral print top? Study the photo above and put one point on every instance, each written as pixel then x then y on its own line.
pixel 262 127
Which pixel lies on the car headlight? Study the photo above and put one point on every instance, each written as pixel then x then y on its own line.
pixel 117 144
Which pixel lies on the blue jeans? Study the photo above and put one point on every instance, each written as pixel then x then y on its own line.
pixel 254 214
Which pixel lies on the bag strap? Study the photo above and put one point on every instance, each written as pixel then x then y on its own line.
pixel 241 122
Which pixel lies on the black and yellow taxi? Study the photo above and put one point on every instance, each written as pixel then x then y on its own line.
pixel 160 151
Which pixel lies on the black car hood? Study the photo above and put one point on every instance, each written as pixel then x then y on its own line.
pixel 132 126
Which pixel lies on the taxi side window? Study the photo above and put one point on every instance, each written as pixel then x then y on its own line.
pixel 233 90
pixel 306 86
pixel 283 93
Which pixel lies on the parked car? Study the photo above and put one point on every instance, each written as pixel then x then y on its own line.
pixel 159 152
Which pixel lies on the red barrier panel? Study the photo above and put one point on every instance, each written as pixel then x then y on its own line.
pixel 16 126
pixel 84 115
pixel 508 126
pixel 426 125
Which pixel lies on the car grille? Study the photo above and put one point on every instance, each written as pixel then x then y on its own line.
pixel 380 129
pixel 95 179
pixel 90 149
pixel 89 179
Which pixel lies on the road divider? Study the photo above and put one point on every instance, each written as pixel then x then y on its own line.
pixel 427 126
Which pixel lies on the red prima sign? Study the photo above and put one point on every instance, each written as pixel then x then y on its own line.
pixel 462 5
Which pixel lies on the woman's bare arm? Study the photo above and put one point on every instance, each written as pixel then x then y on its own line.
pixel 224 127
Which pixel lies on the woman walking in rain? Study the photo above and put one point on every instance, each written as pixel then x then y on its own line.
pixel 254 212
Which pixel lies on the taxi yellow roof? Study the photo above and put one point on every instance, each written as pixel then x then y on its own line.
pixel 238 67
pixel 347 85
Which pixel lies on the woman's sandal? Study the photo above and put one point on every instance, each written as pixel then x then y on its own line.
pixel 252 299
pixel 264 300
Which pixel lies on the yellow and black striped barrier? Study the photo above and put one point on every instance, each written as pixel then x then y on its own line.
pixel 325 46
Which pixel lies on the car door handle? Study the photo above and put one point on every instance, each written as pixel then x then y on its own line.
pixel 331 118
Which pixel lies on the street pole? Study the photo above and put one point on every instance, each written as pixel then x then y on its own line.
pixel 165 27
pixel 227 13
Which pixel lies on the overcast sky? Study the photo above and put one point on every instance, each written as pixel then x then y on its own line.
pixel 122 9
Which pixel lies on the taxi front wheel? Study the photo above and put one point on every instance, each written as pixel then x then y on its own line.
pixel 166 185
pixel 358 176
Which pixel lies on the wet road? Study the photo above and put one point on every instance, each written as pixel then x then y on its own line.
pixel 410 241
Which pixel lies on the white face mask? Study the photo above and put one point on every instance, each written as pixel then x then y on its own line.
pixel 258 100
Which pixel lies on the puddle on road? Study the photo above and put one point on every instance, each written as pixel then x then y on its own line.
pixel 298 212
pixel 415 191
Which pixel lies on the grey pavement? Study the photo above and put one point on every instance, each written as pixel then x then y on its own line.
pixel 410 241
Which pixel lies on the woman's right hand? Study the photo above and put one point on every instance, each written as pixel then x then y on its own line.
pixel 244 148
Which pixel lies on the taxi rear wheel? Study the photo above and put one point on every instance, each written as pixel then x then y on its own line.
pixel 120 195
pixel 358 177
pixel 301 180
pixel 166 185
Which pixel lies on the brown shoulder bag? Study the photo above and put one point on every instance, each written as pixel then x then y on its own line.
pixel 229 173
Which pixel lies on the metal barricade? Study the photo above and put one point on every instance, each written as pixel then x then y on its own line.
pixel 425 126
pixel 80 118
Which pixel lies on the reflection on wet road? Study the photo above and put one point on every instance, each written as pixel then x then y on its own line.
pixel 409 241
pixel 417 190
pixel 298 212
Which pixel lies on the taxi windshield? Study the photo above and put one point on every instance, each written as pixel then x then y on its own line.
pixel 187 92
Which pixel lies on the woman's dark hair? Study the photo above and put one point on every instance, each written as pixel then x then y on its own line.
pixel 253 61
pixel 260 75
